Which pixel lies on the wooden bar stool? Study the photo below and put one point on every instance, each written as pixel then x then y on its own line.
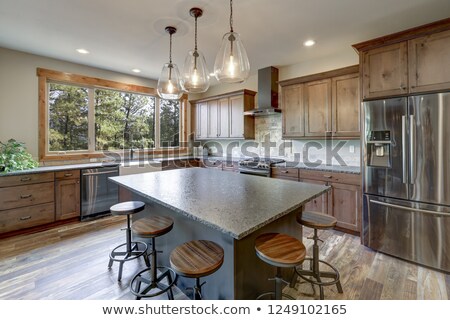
pixel 317 221
pixel 132 250
pixel 195 259
pixel 153 227
pixel 281 251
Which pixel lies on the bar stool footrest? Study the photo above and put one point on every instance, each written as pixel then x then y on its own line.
pixel 153 287
pixel 305 273
pixel 272 294
pixel 133 254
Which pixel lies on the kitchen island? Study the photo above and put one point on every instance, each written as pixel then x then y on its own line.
pixel 230 209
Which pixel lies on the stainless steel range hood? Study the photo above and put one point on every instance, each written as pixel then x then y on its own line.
pixel 267 93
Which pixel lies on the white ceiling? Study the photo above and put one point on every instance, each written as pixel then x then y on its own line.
pixel 122 35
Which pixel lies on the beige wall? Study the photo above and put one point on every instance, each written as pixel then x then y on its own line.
pixel 19 92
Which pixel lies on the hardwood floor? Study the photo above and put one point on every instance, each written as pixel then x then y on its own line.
pixel 70 262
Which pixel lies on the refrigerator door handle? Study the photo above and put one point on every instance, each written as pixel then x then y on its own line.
pixel 412 144
pixel 404 166
pixel 396 206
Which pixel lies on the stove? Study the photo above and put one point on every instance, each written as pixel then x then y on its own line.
pixel 258 166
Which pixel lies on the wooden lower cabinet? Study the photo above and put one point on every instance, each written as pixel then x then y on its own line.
pixel 67 196
pixel 346 202
pixel 321 203
pixel 343 200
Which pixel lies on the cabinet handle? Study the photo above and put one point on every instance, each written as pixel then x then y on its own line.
pixel 285 171
pixel 327 176
pixel 25 218
pixel 68 174
pixel 25 179
pixel 25 196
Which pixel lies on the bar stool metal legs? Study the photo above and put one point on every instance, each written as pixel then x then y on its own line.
pixel 127 251
pixel 277 294
pixel 155 284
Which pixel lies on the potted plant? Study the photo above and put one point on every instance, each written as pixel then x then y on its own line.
pixel 14 156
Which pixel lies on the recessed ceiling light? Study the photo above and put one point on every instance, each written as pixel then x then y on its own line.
pixel 82 51
pixel 136 70
pixel 309 43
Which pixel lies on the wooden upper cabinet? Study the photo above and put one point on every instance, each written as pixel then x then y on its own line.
pixel 222 116
pixel 345 111
pixel 318 108
pixel 213 119
pixel 322 105
pixel 429 62
pixel 293 111
pixel 236 117
pixel 385 71
pixel 201 123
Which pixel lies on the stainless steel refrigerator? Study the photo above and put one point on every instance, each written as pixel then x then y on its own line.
pixel 406 178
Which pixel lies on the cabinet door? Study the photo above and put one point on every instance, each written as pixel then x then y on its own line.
pixel 345 112
pixel 385 71
pixel 67 198
pixel 224 118
pixel 202 120
pixel 237 117
pixel 429 62
pixel 293 111
pixel 213 129
pixel 319 204
pixel 318 108
pixel 346 200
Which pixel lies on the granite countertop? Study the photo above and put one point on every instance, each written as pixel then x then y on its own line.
pixel 60 168
pixel 235 204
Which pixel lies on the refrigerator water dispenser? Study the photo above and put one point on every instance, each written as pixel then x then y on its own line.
pixel 379 149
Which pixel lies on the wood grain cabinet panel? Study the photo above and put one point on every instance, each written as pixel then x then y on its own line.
pixel 293 110
pixel 318 108
pixel 385 71
pixel 28 195
pixel 285 173
pixel 429 62
pixel 23 179
pixel 328 106
pixel 345 112
pixel 222 116
pixel 343 201
pixel 26 217
pixel 67 198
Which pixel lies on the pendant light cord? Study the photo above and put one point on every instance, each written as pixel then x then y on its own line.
pixel 231 15
pixel 170 49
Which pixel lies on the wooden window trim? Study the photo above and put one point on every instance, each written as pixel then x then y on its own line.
pixel 46 75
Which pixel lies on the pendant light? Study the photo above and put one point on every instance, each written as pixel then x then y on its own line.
pixel 170 86
pixel 231 63
pixel 195 72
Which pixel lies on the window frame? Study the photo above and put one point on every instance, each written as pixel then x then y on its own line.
pixel 45 76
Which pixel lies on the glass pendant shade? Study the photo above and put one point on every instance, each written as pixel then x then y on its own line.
pixel 169 83
pixel 231 65
pixel 195 72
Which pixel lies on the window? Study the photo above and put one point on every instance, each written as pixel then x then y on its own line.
pixel 82 117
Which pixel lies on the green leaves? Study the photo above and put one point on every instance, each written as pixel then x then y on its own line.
pixel 14 156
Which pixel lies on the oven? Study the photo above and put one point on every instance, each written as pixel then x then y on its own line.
pixel 258 166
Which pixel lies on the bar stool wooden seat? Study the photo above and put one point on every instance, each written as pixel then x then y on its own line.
pixel 317 221
pixel 282 251
pixel 153 227
pixel 196 259
pixel 130 249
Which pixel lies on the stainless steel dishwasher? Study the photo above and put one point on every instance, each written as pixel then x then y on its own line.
pixel 98 194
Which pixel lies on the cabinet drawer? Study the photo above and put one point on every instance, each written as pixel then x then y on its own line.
pixel 28 195
pixel 285 173
pixel 19 180
pixel 67 174
pixel 326 176
pixel 21 218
